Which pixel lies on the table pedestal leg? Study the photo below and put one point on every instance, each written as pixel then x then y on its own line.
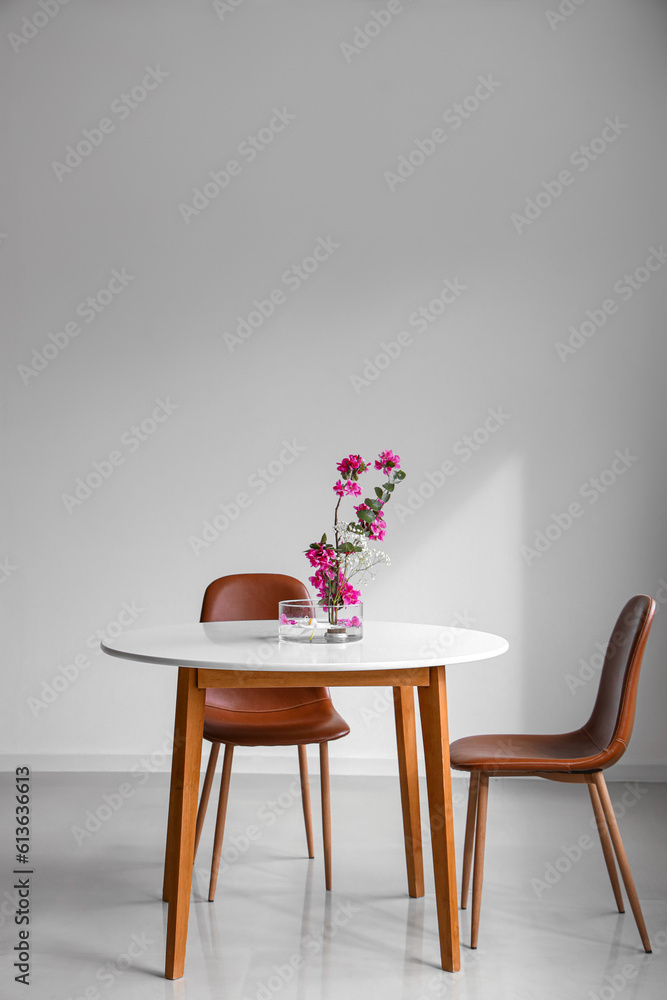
pixel 435 732
pixel 406 742
pixel 186 761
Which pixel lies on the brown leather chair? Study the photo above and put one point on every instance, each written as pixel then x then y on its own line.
pixel 253 717
pixel 580 756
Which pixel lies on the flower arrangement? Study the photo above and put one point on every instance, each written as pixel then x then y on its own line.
pixel 350 555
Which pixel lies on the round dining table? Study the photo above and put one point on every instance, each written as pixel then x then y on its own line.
pixel 250 654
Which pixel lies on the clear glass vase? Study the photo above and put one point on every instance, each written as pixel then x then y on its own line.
pixel 305 621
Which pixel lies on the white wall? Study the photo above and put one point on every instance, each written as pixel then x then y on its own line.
pixel 162 337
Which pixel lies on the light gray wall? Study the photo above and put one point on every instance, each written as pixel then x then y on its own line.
pixel 552 83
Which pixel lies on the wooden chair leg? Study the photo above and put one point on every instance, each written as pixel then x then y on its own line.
pixel 470 837
pixel 220 820
pixel 305 798
pixel 606 845
pixel 326 811
pixel 478 874
pixel 206 792
pixel 626 874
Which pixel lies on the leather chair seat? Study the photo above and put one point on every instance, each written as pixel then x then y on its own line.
pixel 516 753
pixel 312 721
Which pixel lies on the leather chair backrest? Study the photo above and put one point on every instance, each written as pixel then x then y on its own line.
pixel 612 719
pixel 249 597
pixel 255 597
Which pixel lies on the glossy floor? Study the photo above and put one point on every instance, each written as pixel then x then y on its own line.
pixel 549 927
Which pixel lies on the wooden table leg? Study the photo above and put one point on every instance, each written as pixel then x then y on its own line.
pixel 186 762
pixel 435 732
pixel 406 742
pixel 169 847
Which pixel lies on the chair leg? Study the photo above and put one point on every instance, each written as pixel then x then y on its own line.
pixel 305 798
pixel 326 811
pixel 470 837
pixel 220 820
pixel 606 845
pixel 480 839
pixel 206 792
pixel 626 874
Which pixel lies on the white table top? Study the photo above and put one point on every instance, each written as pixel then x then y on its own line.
pixel 255 646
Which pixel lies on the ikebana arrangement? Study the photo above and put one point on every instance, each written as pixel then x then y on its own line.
pixel 349 556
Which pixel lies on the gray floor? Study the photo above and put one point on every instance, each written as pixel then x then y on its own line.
pixel 549 927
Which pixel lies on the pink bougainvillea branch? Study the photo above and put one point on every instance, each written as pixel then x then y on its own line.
pixel 349 555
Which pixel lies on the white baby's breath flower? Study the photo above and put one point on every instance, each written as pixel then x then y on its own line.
pixel 364 562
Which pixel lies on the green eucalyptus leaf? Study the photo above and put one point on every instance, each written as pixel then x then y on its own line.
pixel 345 548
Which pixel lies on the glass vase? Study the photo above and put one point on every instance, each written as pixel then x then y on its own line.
pixel 305 621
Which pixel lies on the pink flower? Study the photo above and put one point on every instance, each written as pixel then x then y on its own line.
pixel 331 589
pixel 378 529
pixel 353 465
pixel 353 622
pixel 348 593
pixel 320 555
pixel 323 581
pixel 320 584
pixel 377 514
pixel 284 620
pixel 350 488
pixel 388 462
